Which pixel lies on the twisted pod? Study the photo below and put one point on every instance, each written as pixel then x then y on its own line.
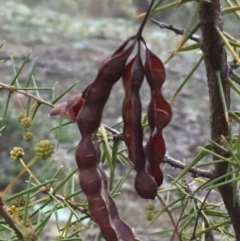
pixel 91 178
pixel 86 109
pixel 159 115
pixel 132 129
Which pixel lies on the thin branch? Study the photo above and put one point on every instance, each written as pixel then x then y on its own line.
pixel 196 171
pixel 31 96
pixel 63 199
pixel 178 31
pixel 168 212
pixel 139 34
pixel 205 220
pixel 178 222
pixel 113 131
pixel 169 160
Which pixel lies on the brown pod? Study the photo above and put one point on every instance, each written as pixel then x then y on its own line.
pixel 90 180
pixel 124 231
pixel 91 176
pixel 145 185
pixel 159 115
pixel 100 215
pixel 90 114
pixel 132 128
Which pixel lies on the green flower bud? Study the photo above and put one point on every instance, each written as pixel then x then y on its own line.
pixel 30 235
pixel 149 216
pixel 17 153
pixel 150 206
pixel 18 202
pixel 28 136
pixel 26 122
pixel 44 149
pixel 21 116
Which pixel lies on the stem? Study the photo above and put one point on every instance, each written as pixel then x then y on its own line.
pixel 33 97
pixel 177 31
pixel 216 60
pixel 139 34
pixel 29 171
pixel 195 171
pixel 63 199
pixel 169 160
pixel 16 178
pixel 198 216
pixel 168 211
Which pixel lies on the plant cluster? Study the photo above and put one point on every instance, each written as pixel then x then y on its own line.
pixel 88 114
pixel 192 216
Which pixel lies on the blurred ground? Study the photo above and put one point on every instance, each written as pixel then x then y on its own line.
pixel 71 39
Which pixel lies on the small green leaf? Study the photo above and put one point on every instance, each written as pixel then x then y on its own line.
pixel 189 47
pixel 120 182
pixel 32 189
pixel 107 148
pixel 42 224
pixel 222 95
pixel 163 233
pixel 235 116
pixel 64 93
pixel 200 156
pixel 20 70
pixel 65 180
pixel 228 46
pixel 233 86
pixel 186 79
pixel 27 201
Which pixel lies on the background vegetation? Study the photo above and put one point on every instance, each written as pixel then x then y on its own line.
pixel 70 39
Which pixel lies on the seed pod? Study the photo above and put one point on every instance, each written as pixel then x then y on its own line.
pixel 132 129
pixel 91 183
pixel 91 178
pixel 98 93
pixel 123 230
pixel 159 115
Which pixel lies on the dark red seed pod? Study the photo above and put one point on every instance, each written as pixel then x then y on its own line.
pixel 159 115
pixel 132 128
pixel 91 178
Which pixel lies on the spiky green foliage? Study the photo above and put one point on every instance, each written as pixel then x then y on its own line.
pixel 192 215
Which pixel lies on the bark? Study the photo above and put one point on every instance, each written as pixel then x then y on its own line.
pixel 216 60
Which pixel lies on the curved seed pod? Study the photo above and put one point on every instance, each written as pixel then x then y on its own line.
pixel 90 114
pixel 159 115
pixel 132 129
pixel 118 51
pixel 123 230
pixel 91 178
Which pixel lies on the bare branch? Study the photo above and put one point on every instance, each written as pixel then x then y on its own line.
pixel 63 199
pixel 31 96
pixel 174 163
pixel 196 171
pixel 178 31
